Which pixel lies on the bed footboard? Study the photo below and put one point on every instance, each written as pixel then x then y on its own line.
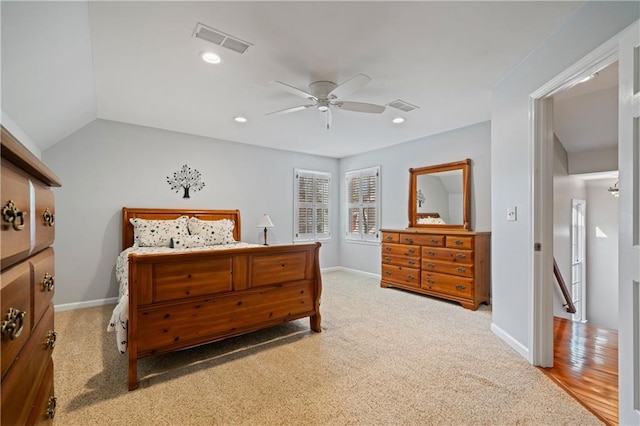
pixel 182 300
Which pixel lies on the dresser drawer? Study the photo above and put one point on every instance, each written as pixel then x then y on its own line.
pixel 411 262
pixel 423 240
pixel 44 217
pixel 401 275
pixel 448 284
pixel 42 266
pixel 455 268
pixel 446 254
pixel 453 241
pixel 390 237
pixel 15 298
pixel 400 250
pixel 20 385
pixel 16 236
pixel 44 407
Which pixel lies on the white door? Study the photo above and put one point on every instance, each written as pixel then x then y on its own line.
pixel 629 237
pixel 578 284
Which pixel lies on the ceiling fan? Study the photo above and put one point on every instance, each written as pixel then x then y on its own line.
pixel 327 94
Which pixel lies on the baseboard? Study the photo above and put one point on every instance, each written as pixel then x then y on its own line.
pixel 509 340
pixel 87 304
pixel 353 271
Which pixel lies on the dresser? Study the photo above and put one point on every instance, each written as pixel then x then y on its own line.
pixel 27 229
pixel 449 264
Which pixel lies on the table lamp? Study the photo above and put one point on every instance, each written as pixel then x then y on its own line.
pixel 265 223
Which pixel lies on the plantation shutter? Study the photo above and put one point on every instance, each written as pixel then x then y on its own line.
pixel 311 205
pixel 363 204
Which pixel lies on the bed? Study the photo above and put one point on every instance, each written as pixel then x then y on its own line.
pixel 429 219
pixel 180 298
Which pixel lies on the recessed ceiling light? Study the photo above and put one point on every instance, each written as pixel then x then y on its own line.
pixel 240 119
pixel 398 120
pixel 210 57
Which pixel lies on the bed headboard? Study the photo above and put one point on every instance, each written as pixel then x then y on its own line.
pixel 425 215
pixel 167 214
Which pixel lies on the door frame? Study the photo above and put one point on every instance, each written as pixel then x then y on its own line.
pixel 582 249
pixel 541 144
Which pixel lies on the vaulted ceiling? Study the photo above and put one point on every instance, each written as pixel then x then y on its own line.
pixel 65 64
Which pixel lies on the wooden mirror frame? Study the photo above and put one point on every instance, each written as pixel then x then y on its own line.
pixel 465 166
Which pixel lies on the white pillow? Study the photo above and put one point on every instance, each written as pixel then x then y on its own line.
pixel 213 232
pixel 187 241
pixel 431 221
pixel 158 233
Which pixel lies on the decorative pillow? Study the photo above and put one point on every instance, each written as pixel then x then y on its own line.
pixel 158 233
pixel 430 221
pixel 213 232
pixel 187 241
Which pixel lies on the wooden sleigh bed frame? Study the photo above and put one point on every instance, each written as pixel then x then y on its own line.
pixel 181 300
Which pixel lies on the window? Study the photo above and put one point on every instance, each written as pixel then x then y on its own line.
pixel 363 204
pixel 311 205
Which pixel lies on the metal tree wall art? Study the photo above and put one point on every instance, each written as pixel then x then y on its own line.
pixel 186 178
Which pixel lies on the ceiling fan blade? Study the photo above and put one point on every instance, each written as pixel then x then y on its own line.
pixel 292 109
pixel 294 90
pixel 349 86
pixel 359 107
pixel 325 117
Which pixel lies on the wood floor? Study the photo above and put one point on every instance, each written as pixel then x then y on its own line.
pixel 586 366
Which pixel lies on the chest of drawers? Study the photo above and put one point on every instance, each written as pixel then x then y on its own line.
pixel 27 227
pixel 449 264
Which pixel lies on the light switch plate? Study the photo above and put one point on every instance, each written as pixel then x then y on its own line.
pixel 512 213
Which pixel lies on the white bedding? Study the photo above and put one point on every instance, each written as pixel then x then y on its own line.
pixel 120 314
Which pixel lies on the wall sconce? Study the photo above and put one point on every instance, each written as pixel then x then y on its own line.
pixel 421 198
pixel 613 190
pixel 265 223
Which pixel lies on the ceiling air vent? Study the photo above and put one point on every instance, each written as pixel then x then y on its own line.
pixel 221 39
pixel 402 105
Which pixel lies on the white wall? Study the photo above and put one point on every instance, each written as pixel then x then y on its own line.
pixel 602 254
pixel 565 188
pixel 597 160
pixel 19 134
pixel 511 159
pixel 108 165
pixel 468 142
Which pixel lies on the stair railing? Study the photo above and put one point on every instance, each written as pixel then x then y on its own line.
pixel 563 287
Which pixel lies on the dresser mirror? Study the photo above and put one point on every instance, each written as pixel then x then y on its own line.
pixel 439 196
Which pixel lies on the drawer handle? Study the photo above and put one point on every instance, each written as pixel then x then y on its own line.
pixel 13 325
pixel 461 255
pixel 411 262
pixel 48 282
pixel 458 242
pixel 387 259
pixel 461 287
pixel 387 248
pixel 460 269
pixel 11 214
pixel 389 238
pixel 51 407
pixel 408 240
pixel 431 253
pixel 431 265
pixel 430 280
pixel 434 241
pixel 410 277
pixel 51 339
pixel 48 217
pixel 411 251
pixel 387 272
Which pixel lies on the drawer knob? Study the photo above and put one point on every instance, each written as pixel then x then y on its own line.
pixel 13 215
pixel 387 272
pixel 48 282
pixel 51 339
pixel 461 287
pixel 387 248
pixel 434 241
pixel 460 269
pixel 411 251
pixel 458 242
pixel 431 253
pixel 411 262
pixel 430 280
pixel 13 325
pixel 408 240
pixel 48 217
pixel 389 238
pixel 387 259
pixel 51 407
pixel 461 255
pixel 410 277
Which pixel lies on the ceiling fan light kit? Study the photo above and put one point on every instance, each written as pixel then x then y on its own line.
pixel 327 94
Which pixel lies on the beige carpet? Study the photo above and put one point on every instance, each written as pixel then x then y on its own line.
pixel 384 357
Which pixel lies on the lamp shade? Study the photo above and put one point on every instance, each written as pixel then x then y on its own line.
pixel 265 222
